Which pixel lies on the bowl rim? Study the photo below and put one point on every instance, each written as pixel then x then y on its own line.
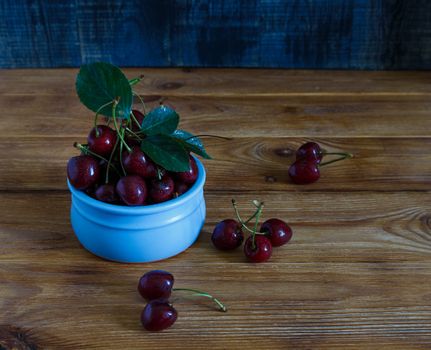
pixel 144 209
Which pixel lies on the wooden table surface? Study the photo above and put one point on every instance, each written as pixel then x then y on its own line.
pixel 355 275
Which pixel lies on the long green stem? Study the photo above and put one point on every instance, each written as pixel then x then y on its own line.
pixel 135 120
pixel 116 126
pixel 110 160
pixel 345 156
pixel 97 114
pixel 203 294
pixel 86 150
pixel 243 224
pixel 259 212
pixel 208 135
pixel 141 100
pixel 134 134
pixel 121 157
pixel 134 81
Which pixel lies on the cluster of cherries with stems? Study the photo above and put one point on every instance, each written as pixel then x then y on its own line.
pixel 228 234
pixel 113 169
pixel 156 287
pixel 306 168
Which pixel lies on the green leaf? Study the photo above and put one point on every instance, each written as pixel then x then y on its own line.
pixel 100 83
pixel 161 120
pixel 191 143
pixel 166 152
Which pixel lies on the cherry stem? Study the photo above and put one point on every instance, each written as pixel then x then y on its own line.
pixel 135 120
pixel 345 156
pixel 141 100
pixel 121 157
pixel 134 134
pixel 203 294
pixel 209 135
pixel 337 154
pixel 110 161
pixel 116 126
pixel 243 223
pixel 86 150
pixel 134 81
pixel 259 212
pixel 97 114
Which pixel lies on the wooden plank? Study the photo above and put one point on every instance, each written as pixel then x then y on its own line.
pixel 228 82
pixel 303 116
pixel 278 33
pixel 352 277
pixel 245 164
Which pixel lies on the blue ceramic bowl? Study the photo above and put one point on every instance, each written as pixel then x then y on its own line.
pixel 143 233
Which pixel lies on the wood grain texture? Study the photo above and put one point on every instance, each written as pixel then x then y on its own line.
pixel 354 276
pixel 355 34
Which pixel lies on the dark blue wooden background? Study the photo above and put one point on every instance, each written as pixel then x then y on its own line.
pixel 358 34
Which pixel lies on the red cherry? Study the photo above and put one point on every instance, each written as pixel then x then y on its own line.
pixel 180 188
pixel 227 235
pixel 156 284
pixel 304 172
pixel 310 151
pixel 132 190
pixel 262 250
pixel 104 143
pixel 189 177
pixel 137 163
pixel 161 190
pixel 277 231
pixel 158 315
pixel 83 171
pixel 106 193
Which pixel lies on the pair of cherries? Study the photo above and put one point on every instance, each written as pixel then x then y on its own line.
pixel 156 287
pixel 306 168
pixel 228 235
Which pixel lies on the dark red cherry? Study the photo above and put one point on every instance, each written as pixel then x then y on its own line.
pixel 104 143
pixel 132 190
pixel 139 116
pixel 180 188
pixel 106 193
pixel 304 172
pixel 262 250
pixel 189 177
pixel 156 284
pixel 310 151
pixel 83 171
pixel 227 235
pixel 277 231
pixel 137 163
pixel 158 315
pixel 161 190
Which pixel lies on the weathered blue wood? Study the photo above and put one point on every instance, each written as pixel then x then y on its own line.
pixel 354 34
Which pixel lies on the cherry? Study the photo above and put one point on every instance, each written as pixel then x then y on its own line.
pixel 137 163
pixel 161 190
pixel 180 188
pixel 106 193
pixel 156 284
pixel 304 172
pixel 158 315
pixel 310 151
pixel 103 141
pixel 261 251
pixel 132 190
pixel 189 177
pixel 83 171
pixel 277 231
pixel 227 235
pixel 139 116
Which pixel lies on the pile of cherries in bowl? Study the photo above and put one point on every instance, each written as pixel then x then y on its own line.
pixel 119 176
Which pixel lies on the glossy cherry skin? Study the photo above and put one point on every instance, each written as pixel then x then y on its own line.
pixel 132 190
pixel 262 251
pixel 180 188
pixel 189 177
pixel 161 190
pixel 106 193
pixel 137 163
pixel 158 315
pixel 304 172
pixel 227 235
pixel 83 171
pixel 139 116
pixel 156 284
pixel 310 151
pixel 104 143
pixel 277 231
